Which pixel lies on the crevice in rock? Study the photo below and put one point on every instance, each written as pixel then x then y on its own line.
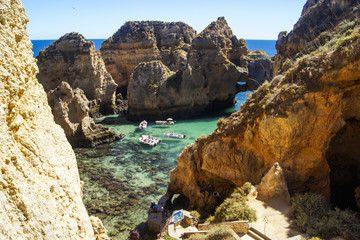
pixel 343 157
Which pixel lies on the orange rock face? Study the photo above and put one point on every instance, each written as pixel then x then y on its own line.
pixel 206 83
pixel 145 41
pixel 307 120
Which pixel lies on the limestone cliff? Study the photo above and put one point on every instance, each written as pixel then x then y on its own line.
pixel 206 83
pixel 307 120
pixel 144 41
pixel 71 111
pixel 74 60
pixel 319 21
pixel 39 183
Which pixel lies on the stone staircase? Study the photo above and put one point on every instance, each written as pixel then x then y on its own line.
pixel 254 233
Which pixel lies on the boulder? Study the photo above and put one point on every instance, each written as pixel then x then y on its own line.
pixel 100 231
pixel 74 60
pixel 40 193
pixel 144 41
pixel 306 119
pixel 273 184
pixel 71 112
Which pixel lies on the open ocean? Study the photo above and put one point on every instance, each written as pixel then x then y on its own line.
pixel 267 45
pixel 124 177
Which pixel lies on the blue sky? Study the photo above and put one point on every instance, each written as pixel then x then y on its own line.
pixel 249 19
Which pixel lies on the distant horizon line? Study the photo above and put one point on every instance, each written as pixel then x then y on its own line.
pixel 107 38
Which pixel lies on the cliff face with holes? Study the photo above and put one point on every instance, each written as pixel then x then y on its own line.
pixel 144 41
pixel 206 83
pixel 74 60
pixel 307 120
pixel 40 194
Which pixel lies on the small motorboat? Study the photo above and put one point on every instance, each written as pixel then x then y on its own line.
pixel 168 121
pixel 143 125
pixel 149 140
pixel 174 135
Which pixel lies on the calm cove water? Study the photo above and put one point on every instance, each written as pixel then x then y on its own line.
pixel 124 177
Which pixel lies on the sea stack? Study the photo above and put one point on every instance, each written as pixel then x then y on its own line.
pixel 206 83
pixel 71 111
pixel 40 194
pixel 306 119
pixel 74 60
pixel 144 41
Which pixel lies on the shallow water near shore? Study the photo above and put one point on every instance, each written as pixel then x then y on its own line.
pixel 124 177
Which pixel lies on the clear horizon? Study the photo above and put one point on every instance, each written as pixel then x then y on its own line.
pixel 252 20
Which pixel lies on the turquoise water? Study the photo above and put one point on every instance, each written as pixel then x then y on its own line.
pixel 267 45
pixel 123 178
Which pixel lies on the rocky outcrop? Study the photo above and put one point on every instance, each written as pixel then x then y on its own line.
pixel 99 229
pixel 40 194
pixel 74 60
pixel 207 82
pixel 260 69
pixel 319 21
pixel 144 41
pixel 273 184
pixel 71 112
pixel 307 120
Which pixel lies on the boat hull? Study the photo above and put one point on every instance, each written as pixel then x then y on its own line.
pixel 174 135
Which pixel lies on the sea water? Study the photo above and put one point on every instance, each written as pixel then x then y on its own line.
pixel 124 177
pixel 267 45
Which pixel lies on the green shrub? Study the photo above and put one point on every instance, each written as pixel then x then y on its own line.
pixel 347 26
pixel 235 207
pixel 195 214
pixel 342 42
pixel 324 37
pixel 313 215
pixel 232 210
pixel 167 237
pixel 244 190
pixel 210 219
pixel 220 233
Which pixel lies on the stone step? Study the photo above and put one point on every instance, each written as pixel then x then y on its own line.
pixel 259 233
pixel 246 237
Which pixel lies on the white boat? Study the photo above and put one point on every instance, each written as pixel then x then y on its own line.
pixel 143 125
pixel 149 140
pixel 174 135
pixel 161 122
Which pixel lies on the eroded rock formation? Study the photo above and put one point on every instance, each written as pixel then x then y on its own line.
pixel 144 41
pixel 74 60
pixel 71 111
pixel 307 120
pixel 260 69
pixel 40 194
pixel 273 184
pixel 206 83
